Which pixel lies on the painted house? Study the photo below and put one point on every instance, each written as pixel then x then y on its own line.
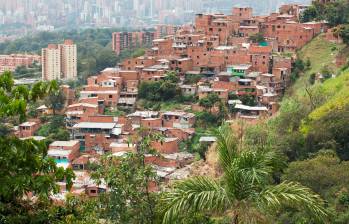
pixel 240 70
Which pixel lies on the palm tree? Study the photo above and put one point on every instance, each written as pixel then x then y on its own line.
pixel 245 192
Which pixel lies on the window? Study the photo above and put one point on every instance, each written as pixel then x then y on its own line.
pixel 93 191
pixel 110 96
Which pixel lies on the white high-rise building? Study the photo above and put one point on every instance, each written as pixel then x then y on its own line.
pixel 68 60
pixel 51 62
pixel 59 61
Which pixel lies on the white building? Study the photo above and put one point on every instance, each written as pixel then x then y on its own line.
pixel 59 61
pixel 68 60
pixel 51 62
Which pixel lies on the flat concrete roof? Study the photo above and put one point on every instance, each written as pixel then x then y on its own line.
pixel 95 125
pixel 64 143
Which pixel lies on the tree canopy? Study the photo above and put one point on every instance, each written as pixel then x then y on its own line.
pixel 25 168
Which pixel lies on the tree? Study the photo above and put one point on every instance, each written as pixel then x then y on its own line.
pixel 54 129
pixel 344 33
pixel 127 181
pixel 257 38
pixel 330 131
pixel 24 165
pixel 249 100
pixel 105 58
pixel 209 101
pixel 324 174
pixel 55 101
pixel 245 191
pixel 162 90
pixel 309 14
pixel 128 178
pixel 286 126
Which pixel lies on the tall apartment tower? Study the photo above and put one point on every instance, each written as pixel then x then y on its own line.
pixel 68 60
pixel 59 61
pixel 128 40
pixel 51 62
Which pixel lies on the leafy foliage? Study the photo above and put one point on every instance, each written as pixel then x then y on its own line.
pixel 24 165
pixel 245 189
pixel 129 198
pixel 209 101
pixel 55 101
pixel 257 38
pixel 162 90
pixel 54 129
pixel 335 12
pixel 324 174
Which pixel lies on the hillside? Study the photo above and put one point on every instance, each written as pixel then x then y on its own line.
pixel 321 53
pixel 312 129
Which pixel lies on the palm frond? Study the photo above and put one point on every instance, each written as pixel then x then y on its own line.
pixel 256 166
pixel 293 195
pixel 227 146
pixel 196 194
pixel 249 172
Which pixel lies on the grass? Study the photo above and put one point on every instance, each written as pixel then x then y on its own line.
pixel 161 106
pixel 338 91
pixel 321 53
pixel 168 106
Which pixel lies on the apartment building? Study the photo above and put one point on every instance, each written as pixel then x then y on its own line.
pixel 12 61
pixel 51 63
pixel 68 60
pixel 129 40
pixel 59 62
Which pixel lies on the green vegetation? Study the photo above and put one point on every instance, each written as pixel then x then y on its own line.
pixel 163 95
pixel 33 71
pixel 162 90
pixel 257 38
pixel 312 130
pixel 245 193
pixel 209 101
pixel 336 12
pixel 23 164
pixel 55 101
pixel 114 111
pixel 325 55
pixel 53 129
pixel 324 174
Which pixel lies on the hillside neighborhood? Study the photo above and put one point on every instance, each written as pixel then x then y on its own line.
pixel 233 57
